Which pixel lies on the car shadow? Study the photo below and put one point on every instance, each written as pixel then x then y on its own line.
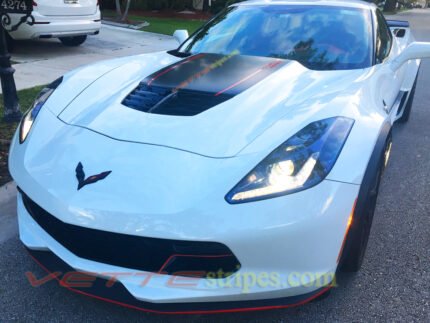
pixel 25 51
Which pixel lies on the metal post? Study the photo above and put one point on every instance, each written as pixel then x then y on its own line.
pixel 12 110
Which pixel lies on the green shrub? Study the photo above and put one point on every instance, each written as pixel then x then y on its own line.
pixel 177 5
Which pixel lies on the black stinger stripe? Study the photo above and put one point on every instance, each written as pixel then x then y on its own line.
pixel 200 82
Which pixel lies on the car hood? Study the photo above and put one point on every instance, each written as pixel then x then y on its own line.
pixel 207 104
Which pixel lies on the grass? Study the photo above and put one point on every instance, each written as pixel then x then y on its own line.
pixel 166 26
pixel 26 98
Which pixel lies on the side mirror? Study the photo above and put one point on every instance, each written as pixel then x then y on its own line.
pixel 416 50
pixel 181 35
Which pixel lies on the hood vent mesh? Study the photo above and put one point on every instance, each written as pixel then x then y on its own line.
pixel 161 100
pixel 144 97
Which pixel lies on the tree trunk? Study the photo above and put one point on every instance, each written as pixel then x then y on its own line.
pixel 126 10
pixel 206 5
pixel 390 5
pixel 118 8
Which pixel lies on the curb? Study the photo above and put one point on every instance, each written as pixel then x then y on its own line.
pixel 109 26
pixel 134 31
pixel 125 25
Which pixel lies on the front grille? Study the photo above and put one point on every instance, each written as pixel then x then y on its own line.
pixel 163 256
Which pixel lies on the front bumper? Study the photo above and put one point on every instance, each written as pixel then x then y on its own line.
pixel 103 289
pixel 57 26
pixel 280 268
pixel 286 246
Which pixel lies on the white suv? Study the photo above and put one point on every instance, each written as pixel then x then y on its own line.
pixel 69 20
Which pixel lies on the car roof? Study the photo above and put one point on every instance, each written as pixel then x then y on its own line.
pixel 334 3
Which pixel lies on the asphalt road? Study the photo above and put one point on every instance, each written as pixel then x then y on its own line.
pixel 393 285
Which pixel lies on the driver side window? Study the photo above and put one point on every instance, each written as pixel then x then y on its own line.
pixel 384 38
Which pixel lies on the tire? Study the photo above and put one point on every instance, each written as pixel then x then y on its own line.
pixel 407 112
pixel 358 236
pixel 73 41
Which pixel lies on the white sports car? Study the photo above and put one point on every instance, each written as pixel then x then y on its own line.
pixel 237 172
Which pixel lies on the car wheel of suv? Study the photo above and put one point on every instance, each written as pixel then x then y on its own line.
pixel 358 236
pixel 73 41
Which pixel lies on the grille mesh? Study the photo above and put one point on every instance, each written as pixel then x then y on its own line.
pixel 135 252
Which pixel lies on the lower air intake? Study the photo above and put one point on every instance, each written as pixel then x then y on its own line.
pixel 162 256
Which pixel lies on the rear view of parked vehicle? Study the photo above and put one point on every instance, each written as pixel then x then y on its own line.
pixel 69 20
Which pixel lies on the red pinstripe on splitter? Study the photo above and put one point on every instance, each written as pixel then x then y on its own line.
pixel 192 58
pixel 233 310
pixel 261 69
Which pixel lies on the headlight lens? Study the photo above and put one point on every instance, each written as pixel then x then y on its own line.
pixel 302 162
pixel 31 114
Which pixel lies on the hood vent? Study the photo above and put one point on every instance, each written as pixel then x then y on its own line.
pixel 143 98
pixel 199 83
pixel 161 100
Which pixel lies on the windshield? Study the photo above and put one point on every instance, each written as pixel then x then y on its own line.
pixel 319 37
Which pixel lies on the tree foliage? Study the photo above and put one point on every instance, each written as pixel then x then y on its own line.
pixel 390 5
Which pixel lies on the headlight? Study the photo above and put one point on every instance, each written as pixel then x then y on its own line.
pixel 302 162
pixel 31 114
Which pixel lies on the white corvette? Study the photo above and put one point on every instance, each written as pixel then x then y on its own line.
pixel 238 172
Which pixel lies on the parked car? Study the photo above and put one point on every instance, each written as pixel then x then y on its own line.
pixel 232 173
pixel 69 20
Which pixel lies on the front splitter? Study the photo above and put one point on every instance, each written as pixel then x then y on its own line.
pixel 118 294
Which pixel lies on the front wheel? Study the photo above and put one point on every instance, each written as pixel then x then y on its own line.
pixel 73 41
pixel 358 236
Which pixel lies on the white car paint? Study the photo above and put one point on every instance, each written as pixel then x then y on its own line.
pixel 60 18
pixel 195 210
pixel 173 186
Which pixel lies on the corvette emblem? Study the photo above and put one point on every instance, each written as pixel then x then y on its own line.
pixel 80 175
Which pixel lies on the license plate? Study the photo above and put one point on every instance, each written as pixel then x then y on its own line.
pixel 71 1
pixel 16 6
